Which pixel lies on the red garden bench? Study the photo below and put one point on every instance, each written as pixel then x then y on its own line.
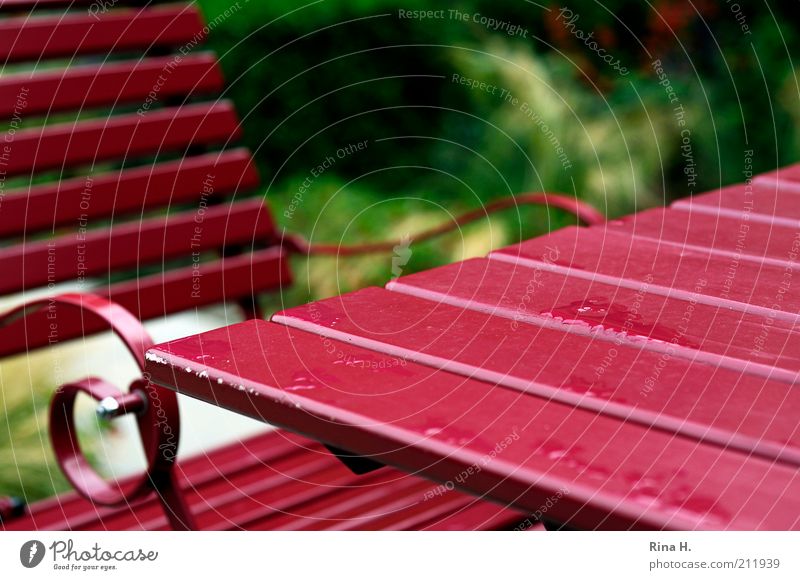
pixel 637 374
pixel 146 207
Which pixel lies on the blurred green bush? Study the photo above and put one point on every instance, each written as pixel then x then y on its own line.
pixel 311 79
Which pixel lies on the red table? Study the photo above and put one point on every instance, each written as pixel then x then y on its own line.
pixel 641 374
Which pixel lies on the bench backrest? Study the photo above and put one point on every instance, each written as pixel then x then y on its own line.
pixel 117 165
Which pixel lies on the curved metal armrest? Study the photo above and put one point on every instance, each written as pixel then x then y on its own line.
pixel 124 324
pixel 585 212
pixel 156 410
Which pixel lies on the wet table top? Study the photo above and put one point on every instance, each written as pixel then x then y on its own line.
pixel 638 374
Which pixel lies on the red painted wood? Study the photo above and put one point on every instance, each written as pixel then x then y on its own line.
pixel 123 136
pixel 478 517
pixel 789 174
pixel 741 342
pixel 203 284
pixel 738 239
pixel 263 470
pixel 69 510
pixel 111 83
pixel 412 505
pixel 768 203
pixel 700 401
pixel 76 211
pixel 23 5
pixel 72 202
pixel 133 245
pixel 159 295
pixel 690 274
pixel 81 33
pixel 615 474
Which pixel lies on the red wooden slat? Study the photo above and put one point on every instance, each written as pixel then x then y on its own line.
pixel 19 5
pixel 759 202
pixel 203 284
pixel 789 174
pixel 72 511
pixel 35 38
pixel 293 503
pixel 691 274
pixel 134 245
pixel 383 515
pixel 76 201
pixel 158 295
pixel 268 465
pixel 740 239
pixel 110 83
pixel 611 474
pixel 124 136
pixel 239 494
pixel 332 509
pixel 752 414
pixel 741 342
pixel 480 517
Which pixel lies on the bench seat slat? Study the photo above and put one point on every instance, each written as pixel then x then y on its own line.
pixel 69 510
pixel 789 174
pixel 750 413
pixel 124 136
pixel 158 295
pixel 334 508
pixel 691 274
pixel 207 283
pixel 266 466
pixel 619 316
pixel 241 493
pixel 110 84
pixel 20 5
pixel 72 201
pixel 742 239
pixel 642 477
pixel 36 38
pixel 133 245
pixel 768 203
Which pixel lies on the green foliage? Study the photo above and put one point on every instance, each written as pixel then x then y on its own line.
pixel 310 79
pixel 29 468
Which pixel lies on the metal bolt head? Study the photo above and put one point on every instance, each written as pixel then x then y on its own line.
pixel 108 408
